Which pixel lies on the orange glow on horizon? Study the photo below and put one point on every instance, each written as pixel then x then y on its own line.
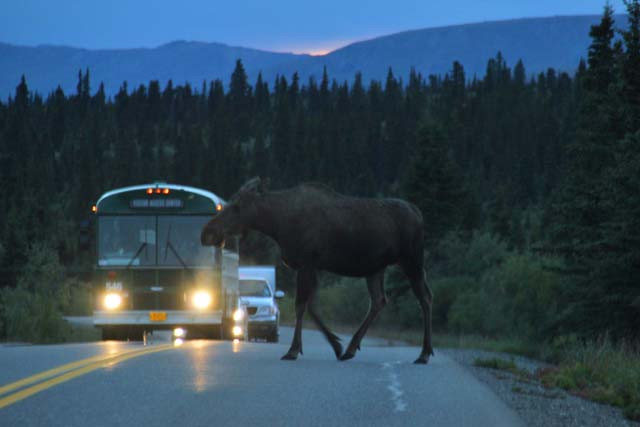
pixel 319 49
pixel 319 52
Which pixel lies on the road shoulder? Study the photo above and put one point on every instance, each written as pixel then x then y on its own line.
pixel 535 404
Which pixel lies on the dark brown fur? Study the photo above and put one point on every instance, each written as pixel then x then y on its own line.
pixel 319 229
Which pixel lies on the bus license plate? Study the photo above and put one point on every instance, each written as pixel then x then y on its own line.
pixel 157 316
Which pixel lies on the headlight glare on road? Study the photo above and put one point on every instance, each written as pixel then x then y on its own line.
pixel 238 315
pixel 236 331
pixel 201 299
pixel 112 301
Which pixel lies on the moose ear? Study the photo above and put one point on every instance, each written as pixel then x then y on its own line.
pixel 264 185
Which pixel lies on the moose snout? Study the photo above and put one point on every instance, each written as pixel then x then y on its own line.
pixel 206 239
pixel 210 238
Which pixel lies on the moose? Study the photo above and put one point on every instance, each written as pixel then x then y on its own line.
pixel 320 229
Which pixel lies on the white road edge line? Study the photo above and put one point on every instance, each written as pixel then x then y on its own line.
pixel 395 387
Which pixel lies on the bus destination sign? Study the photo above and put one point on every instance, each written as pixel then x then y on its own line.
pixel 156 203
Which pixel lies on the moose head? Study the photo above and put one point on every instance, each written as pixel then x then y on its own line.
pixel 236 216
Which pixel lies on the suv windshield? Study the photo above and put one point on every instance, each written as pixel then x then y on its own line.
pixel 150 240
pixel 254 288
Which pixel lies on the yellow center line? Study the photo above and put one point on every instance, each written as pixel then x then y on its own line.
pixel 92 364
pixel 63 368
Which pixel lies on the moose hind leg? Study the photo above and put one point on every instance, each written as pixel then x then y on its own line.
pixel 304 290
pixel 333 339
pixel 425 298
pixel 375 285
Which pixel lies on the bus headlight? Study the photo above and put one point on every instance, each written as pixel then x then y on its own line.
pixel 238 315
pixel 201 299
pixel 236 331
pixel 112 301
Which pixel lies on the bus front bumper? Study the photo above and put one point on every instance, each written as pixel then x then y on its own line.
pixel 159 319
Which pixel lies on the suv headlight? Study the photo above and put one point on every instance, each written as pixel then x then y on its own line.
pixel 268 309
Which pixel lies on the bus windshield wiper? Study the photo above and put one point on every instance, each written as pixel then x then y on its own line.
pixel 133 258
pixel 168 246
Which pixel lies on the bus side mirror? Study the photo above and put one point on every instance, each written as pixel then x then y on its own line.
pixel 279 294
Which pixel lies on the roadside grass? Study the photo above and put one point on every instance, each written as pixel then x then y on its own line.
pixel 498 345
pixel 501 365
pixel 600 371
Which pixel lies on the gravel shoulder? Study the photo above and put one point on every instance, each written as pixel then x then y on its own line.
pixel 535 404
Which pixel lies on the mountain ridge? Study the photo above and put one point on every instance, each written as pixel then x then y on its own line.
pixel 558 42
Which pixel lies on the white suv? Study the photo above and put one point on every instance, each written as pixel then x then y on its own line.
pixel 259 296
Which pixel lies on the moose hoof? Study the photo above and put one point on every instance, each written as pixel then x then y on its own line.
pixel 421 361
pixel 346 356
pixel 289 356
pixel 337 348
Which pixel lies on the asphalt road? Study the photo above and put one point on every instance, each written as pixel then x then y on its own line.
pixel 214 383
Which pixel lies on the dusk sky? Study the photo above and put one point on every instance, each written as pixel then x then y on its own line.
pixel 276 25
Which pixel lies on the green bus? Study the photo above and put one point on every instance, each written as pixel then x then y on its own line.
pixel 152 272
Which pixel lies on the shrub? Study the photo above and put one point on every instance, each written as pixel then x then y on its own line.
pixel 32 311
pixel 473 258
pixel 76 298
pixel 287 306
pixel 517 298
pixel 529 293
pixel 472 313
pixel 32 317
pixel 445 293
pixel 346 301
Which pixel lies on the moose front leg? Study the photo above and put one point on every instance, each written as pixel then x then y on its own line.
pixel 375 285
pixel 305 288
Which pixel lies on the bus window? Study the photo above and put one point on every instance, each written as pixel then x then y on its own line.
pixel 126 240
pixel 179 242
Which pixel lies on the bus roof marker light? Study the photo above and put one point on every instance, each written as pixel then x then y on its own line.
pixel 94 209
pixel 165 191
pixel 219 207
pixel 149 190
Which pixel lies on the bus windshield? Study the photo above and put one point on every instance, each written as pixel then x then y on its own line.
pixel 153 241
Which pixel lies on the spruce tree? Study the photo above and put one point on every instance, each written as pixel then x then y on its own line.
pixel 630 90
pixel 595 208
pixel 435 185
pixel 239 103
